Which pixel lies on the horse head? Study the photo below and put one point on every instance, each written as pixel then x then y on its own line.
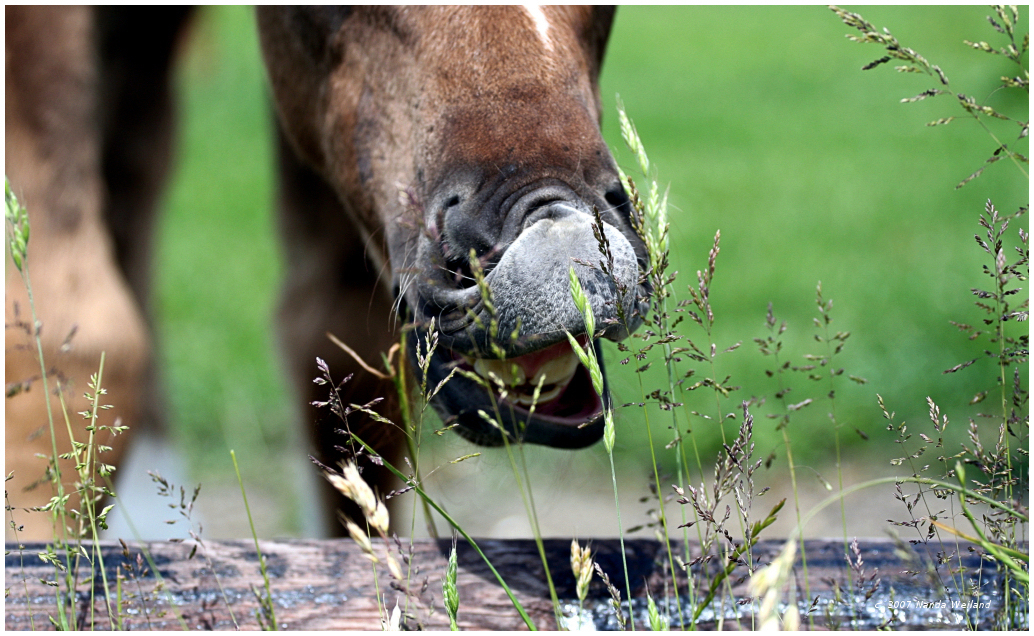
pixel 465 143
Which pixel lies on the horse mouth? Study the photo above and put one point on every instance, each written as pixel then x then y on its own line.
pixel 543 397
pixel 551 383
pixel 535 390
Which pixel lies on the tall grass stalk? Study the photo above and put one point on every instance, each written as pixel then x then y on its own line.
pixel 17 228
pixel 998 473
pixel 68 547
pixel 608 442
pixel 411 426
pixel 830 373
pixel 265 614
pixel 87 468
pixel 650 221
pixel 522 478
pixel 17 231
pixel 523 483
pixel 529 506
pixel 772 345
pixel 414 437
pixel 15 529
pixel 704 317
pixel 414 429
pixel 912 62
pixel 452 522
pixel 67 541
pixel 374 516
pixel 588 359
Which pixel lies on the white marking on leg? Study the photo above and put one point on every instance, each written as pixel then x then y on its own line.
pixel 541 24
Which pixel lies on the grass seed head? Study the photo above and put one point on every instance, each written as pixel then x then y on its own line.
pixel 450 595
pixel 351 484
pixel 581 566
pixel 359 537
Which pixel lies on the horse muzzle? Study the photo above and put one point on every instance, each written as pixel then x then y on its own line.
pixel 506 335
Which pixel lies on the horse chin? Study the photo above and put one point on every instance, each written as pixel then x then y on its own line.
pixel 537 398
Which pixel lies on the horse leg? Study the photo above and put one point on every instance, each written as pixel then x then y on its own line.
pixel 137 47
pixel 84 306
pixel 331 286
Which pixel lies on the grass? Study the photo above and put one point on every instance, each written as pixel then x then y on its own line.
pixel 766 130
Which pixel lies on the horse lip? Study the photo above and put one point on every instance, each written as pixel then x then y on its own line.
pixel 562 237
pixel 459 307
pixel 522 205
pixel 457 316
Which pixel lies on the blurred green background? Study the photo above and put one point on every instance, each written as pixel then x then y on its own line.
pixel 763 125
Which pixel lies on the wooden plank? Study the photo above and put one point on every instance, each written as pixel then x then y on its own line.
pixel 330 584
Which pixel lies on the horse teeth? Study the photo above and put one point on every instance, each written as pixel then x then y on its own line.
pixel 557 371
pixel 553 376
pixel 528 399
pixel 509 372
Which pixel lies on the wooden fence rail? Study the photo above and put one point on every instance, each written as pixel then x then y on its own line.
pixel 331 585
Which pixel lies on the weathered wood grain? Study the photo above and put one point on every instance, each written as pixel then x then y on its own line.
pixel 330 585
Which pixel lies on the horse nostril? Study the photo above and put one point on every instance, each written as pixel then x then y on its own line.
pixel 453 201
pixel 616 197
pixel 462 274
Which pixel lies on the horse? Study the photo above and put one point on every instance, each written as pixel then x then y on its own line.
pixel 441 172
